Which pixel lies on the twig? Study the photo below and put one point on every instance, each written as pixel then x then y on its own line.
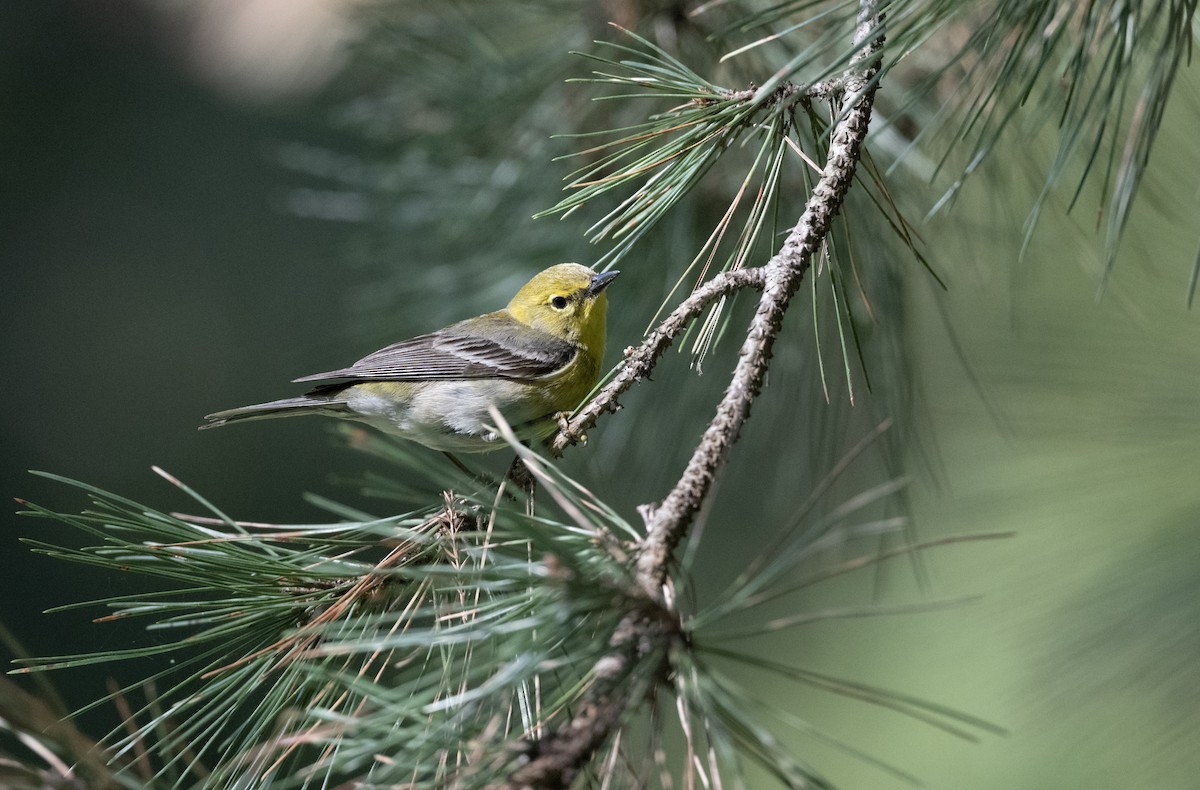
pixel 641 360
pixel 789 93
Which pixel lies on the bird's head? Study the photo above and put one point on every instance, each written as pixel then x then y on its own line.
pixel 566 301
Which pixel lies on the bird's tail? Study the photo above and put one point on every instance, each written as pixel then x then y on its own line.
pixel 288 407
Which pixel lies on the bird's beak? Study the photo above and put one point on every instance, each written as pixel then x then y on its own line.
pixel 600 282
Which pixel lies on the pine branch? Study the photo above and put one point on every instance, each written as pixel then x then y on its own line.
pixel 668 523
pixel 560 755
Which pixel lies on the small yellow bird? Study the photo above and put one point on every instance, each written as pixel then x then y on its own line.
pixel 537 357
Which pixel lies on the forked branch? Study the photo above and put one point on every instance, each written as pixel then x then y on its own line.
pixel 557 757
pixel 668 523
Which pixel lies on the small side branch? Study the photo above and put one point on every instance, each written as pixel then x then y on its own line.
pixel 639 362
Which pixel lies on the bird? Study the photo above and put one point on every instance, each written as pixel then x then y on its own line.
pixel 532 361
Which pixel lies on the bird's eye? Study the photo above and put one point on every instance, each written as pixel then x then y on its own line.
pixel 558 302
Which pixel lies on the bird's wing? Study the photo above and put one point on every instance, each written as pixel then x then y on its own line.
pixel 492 346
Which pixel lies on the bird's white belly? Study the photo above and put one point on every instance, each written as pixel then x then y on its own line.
pixel 450 415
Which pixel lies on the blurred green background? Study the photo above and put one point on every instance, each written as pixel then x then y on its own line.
pixel 183 229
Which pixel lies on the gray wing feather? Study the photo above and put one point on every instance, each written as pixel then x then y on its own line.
pixel 511 351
